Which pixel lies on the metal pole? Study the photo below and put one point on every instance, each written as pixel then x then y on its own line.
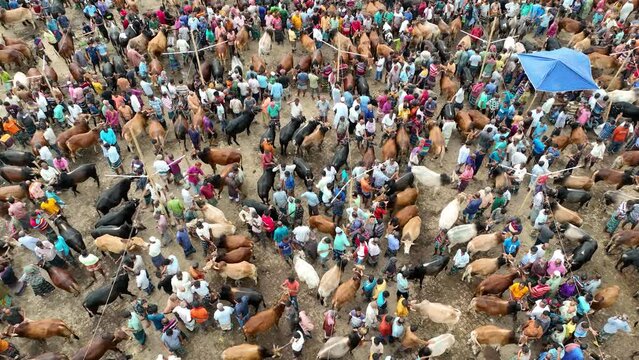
pixel 197 57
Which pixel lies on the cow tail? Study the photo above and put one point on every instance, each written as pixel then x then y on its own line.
pixel 241 167
pixel 473 338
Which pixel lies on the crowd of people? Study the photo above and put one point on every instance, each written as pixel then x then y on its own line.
pixel 518 143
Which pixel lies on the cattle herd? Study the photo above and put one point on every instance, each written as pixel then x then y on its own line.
pixel 510 205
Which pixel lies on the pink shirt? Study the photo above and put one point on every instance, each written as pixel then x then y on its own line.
pixel 62 164
pixel 584 115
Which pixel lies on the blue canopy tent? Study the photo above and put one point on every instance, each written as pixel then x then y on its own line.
pixel 558 70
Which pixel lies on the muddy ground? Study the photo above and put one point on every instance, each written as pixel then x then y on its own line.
pixel 272 270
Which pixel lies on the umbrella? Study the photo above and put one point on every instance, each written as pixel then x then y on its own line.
pixel 558 70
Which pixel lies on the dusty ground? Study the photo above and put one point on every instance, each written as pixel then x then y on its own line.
pixel 272 270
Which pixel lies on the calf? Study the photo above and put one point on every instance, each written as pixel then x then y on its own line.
pixel 615 177
pixel 485 242
pixel 436 312
pixel 264 320
pixel 315 139
pixel 322 223
pixel 106 294
pixel 563 215
pixel 232 242
pixel 42 330
pixel 406 214
pixel 232 256
pixel 117 245
pixel 491 335
pixel 410 233
pixel 566 195
pixel 430 268
pixel 492 305
pixel 496 284
pixel 236 272
pixel 575 182
pixel 628 158
pixel 486 267
pixel 345 293
pixel 330 280
pixel 99 345
pixel 249 352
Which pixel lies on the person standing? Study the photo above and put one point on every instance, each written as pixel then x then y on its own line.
pixel 182 238
pixel 613 326
pixel 223 316
pixel 172 341
pixel 92 264
pixel 134 327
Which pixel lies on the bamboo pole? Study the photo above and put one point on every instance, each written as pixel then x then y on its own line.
pixel 623 65
pixel 532 101
pixel 339 55
pixel 197 57
pixel 490 38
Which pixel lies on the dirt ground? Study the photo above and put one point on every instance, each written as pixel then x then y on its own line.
pixel 271 269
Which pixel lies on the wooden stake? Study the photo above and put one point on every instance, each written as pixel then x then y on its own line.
pixel 623 65
pixel 530 104
pixel 339 55
pixel 197 57
pixel 490 39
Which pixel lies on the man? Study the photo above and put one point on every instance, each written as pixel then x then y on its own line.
pixel 619 136
pixel 45 251
pixel 613 326
pixel 176 208
pixel 204 231
pixel 460 260
pixel 172 341
pixel 48 173
pixel 223 316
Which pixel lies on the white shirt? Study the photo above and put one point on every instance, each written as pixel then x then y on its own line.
pixel 182 45
pixel 203 290
pixel 155 247
pixel 447 128
pixel 298 344
pixel 49 135
pixel 330 173
pixel 360 129
pixel 188 198
pixel 341 110
pixel 185 295
pixel 112 154
pixel 538 309
pixel 598 150
pixel 74 111
pixel 302 234
pixel 135 104
pixel 464 151
pixel 459 96
pixel 460 261
pixel 45 154
pixel 536 117
pixel 49 174
pixel 142 280
pixel 379 65
pixel 183 313
pixel 204 232
pixel 296 109
pixel 185 282
pixel 518 158
pixel 161 166
pixel 373 249
pixel 353 115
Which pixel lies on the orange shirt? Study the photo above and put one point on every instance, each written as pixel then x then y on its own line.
pixel 620 134
pixel 366 186
pixel 11 126
pixel 200 315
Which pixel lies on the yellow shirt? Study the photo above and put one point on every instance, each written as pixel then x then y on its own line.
pixel 517 292
pixel 404 113
pixel 97 86
pixel 379 288
pixel 401 310
pixel 50 206
pixel 325 23
pixel 296 20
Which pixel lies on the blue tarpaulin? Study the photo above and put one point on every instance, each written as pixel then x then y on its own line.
pixel 558 70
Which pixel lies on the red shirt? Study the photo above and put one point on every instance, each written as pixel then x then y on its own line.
pixel 385 328
pixel 293 287
pixel 620 133
pixel 269 223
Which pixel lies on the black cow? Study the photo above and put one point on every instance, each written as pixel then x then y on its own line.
pixel 17 158
pixel 75 177
pixel 72 236
pixel 239 124
pixel 289 131
pixel 626 109
pixel 233 295
pixel 106 294
pixel 124 231
pixel 430 268
pixel 120 216
pixel 113 196
pixel 583 253
pixel 265 184
pixel 629 258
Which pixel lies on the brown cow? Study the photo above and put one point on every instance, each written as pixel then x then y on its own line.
pixel 575 182
pixel 258 63
pixel 287 62
pixel 389 149
pixel 448 86
pixel 12 41
pixel 250 352
pixel 242 39
pixel 79 127
pixel 216 156
pixel 605 298
pixel 83 141
pixel 384 50
pixel 134 127
pixel 406 214
pixel 628 158
pixel 623 238
pixel 66 48
pixel 41 330
pixel 16 16
pixel 531 329
pixel 158 44
pixel 314 139
pixel 62 279
pixel 464 123
pixel 264 320
pixel 564 215
pixel 607 64
pixel 400 200
pixel 491 335
pixel 479 120
pixel 139 43
pixel 99 345
pixel 20 191
pixel 232 242
pixel 157 134
pixel 496 284
pixel 10 56
pixel 346 292
pixel 486 267
pixel 308 43
pixel 403 140
pixel 23 49
pixel 495 306
pixel 571 25
pixel 221 50
pixel 233 256
pixel 438 146
pixel 615 177
pixel 322 223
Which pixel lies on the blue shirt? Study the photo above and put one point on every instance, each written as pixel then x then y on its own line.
pixel 61 246
pixel 263 81
pixel 108 136
pixel 280 233
pixel 582 305
pixel 277 91
pixel 393 242
pixel 364 101
pixel 156 319
pixel 402 283
pixel 540 130
pixel 183 239
pixel 90 10
pixel 311 198
pixel 285 247
pixel 348 99
pixel 538 146
pixel 473 206
pixel 510 246
pixel 574 354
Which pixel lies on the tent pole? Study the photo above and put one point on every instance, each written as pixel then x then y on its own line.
pixel 490 39
pixel 530 104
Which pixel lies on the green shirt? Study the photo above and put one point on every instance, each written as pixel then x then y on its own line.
pixel 175 206
pixel 525 10
pixel 322 249
pixel 498 202
pixel 154 24
pixel 313 81
pixel 58 112
pixel 378 18
pixel 134 322
pixel 5 77
pixel 273 110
